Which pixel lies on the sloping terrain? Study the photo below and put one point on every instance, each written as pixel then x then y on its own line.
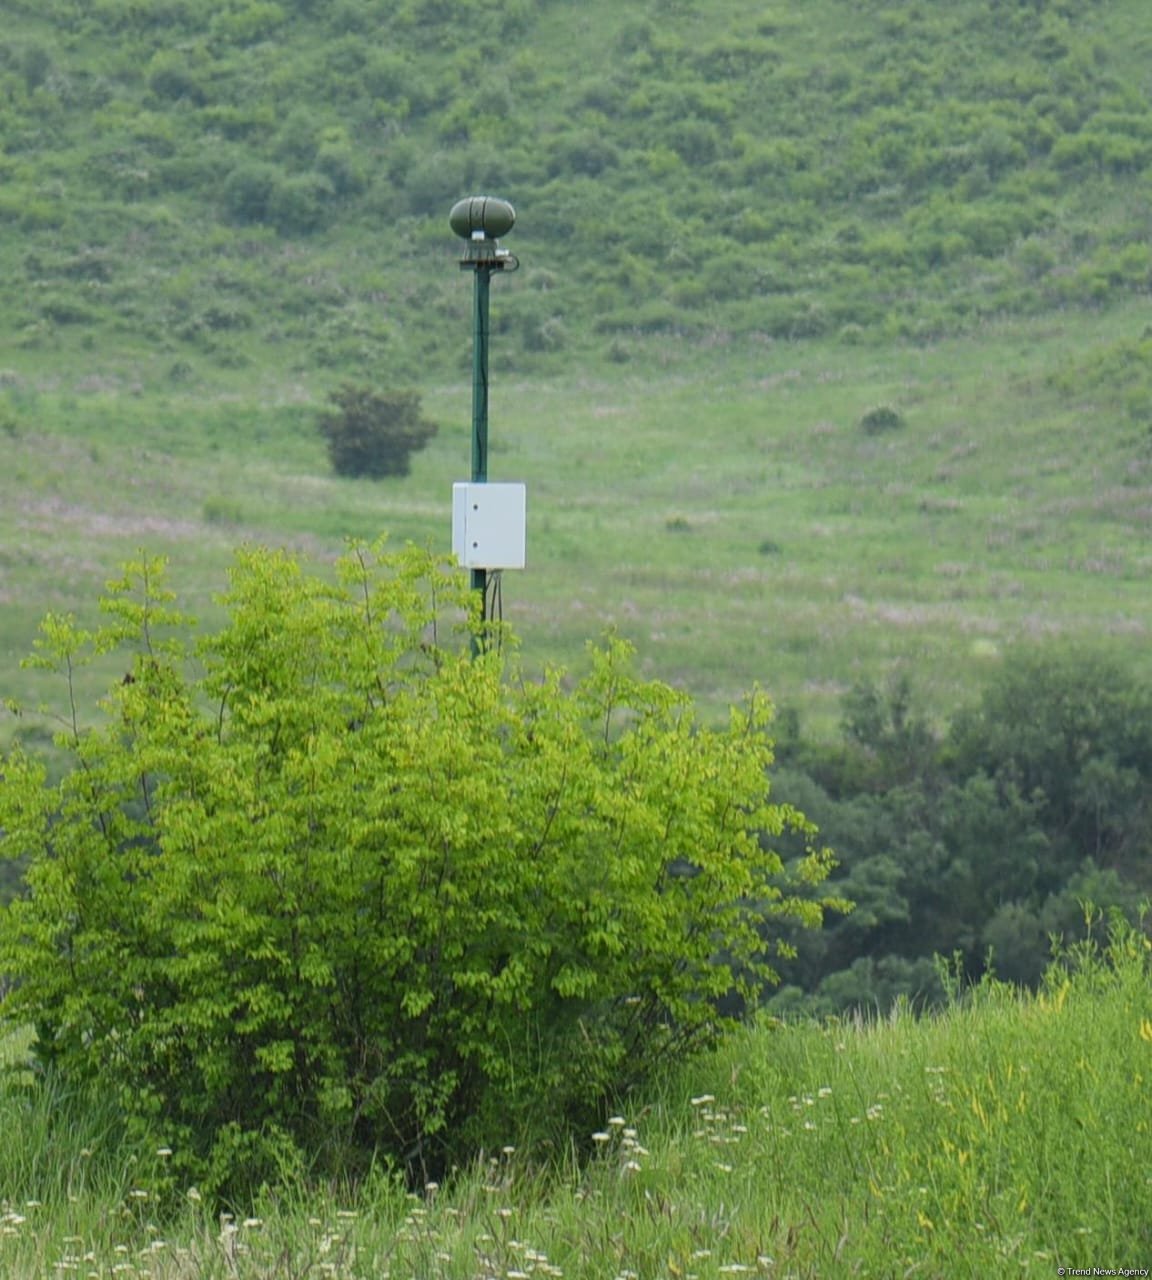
pixel 188 184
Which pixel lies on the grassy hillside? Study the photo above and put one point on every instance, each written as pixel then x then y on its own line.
pixel 729 514
pixel 1005 1135
pixel 741 231
pixel 248 182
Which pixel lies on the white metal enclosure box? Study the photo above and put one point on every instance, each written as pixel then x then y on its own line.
pixel 488 525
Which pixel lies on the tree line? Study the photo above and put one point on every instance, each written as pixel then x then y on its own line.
pixel 979 842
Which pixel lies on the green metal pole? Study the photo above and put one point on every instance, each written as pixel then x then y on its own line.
pixel 480 406
pixel 480 373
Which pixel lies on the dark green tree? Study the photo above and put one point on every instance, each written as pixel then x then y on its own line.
pixel 987 838
pixel 374 433
pixel 1071 732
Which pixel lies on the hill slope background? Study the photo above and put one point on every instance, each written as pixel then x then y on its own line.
pixel 224 180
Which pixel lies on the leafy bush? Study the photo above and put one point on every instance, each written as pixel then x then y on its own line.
pixel 225 511
pixel 301 204
pixel 866 986
pixel 248 191
pixel 338 163
pixel 1071 730
pixel 337 888
pixel 374 433
pixel 881 419
pixel 437 179
pixel 170 78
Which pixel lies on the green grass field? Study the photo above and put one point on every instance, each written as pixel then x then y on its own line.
pixel 1006 1136
pixel 723 509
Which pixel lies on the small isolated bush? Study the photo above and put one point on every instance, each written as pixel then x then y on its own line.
pixel 222 511
pixel 319 885
pixel 374 433
pixel 339 164
pixel 881 419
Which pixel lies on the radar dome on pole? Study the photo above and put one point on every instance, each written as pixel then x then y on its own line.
pixel 489 216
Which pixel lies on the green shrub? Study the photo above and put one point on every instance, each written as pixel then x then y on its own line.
pixel 248 191
pixel 333 887
pixel 248 23
pixel 250 122
pixel 584 153
pixel 374 433
pixel 338 163
pixel 301 204
pixel 170 78
pixel 1069 729
pixel 36 63
pixel 881 419
pixel 224 511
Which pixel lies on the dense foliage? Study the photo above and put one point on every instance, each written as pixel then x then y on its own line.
pixel 226 179
pixel 374 433
pixel 334 888
pixel 980 842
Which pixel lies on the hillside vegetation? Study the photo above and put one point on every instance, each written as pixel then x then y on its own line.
pixel 185 185
pixel 1004 1136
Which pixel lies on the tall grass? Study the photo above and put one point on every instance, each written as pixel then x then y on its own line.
pixel 1008 1135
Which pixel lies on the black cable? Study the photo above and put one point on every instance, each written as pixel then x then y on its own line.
pixel 494 605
